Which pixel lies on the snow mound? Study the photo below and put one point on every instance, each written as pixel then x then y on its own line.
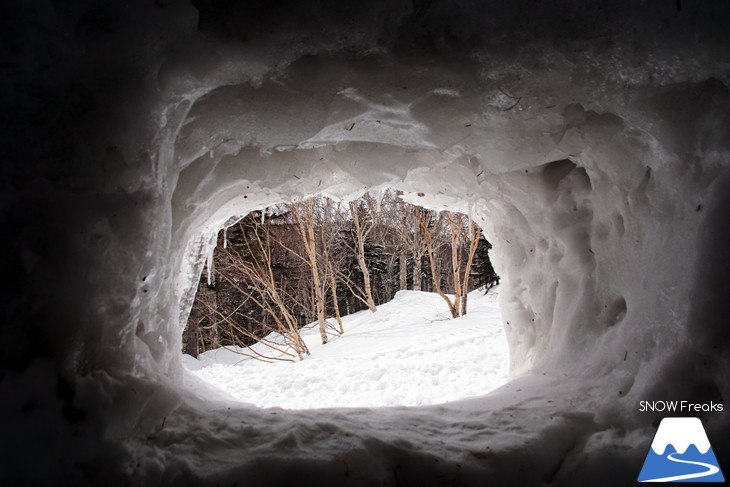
pixel 409 353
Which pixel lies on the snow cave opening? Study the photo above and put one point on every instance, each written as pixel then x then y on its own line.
pixel 594 137
pixel 254 316
pixel 580 202
pixel 575 219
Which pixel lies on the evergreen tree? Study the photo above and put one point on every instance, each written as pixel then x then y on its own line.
pixel 481 270
pixel 375 257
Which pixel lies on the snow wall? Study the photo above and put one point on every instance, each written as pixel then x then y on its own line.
pixel 589 139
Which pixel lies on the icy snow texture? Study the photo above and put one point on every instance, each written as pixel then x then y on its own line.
pixel 590 139
pixel 409 353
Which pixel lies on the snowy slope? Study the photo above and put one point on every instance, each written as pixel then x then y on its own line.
pixel 409 353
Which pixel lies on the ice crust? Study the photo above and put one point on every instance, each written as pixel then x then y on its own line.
pixel 590 141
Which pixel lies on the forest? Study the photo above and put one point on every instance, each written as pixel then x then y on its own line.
pixel 317 260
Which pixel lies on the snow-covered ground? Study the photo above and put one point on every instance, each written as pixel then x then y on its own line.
pixel 409 353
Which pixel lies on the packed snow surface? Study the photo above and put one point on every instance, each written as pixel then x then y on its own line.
pixel 409 353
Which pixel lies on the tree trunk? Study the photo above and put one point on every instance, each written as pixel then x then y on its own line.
pixel 456 231
pixel 304 215
pixel 360 234
pixel 318 288
pixel 386 283
pixel 335 303
pixel 474 233
pixel 403 262
pixel 417 271
pixel 434 273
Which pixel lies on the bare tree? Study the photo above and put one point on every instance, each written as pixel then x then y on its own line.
pixel 363 218
pixel 459 235
pixel 389 248
pixel 392 213
pixel 413 220
pixel 304 217
pixel 430 248
pixel 330 228
pixel 315 259
pixel 234 329
pixel 264 291
pixel 474 234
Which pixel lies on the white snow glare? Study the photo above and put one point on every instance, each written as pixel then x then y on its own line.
pixel 409 353
pixel 590 140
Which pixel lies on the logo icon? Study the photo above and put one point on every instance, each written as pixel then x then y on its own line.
pixel 681 452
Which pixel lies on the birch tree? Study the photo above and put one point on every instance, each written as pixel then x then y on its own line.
pixel 363 219
pixel 473 235
pixel 460 233
pixel 329 230
pixel 413 221
pixel 304 218
pixel 428 238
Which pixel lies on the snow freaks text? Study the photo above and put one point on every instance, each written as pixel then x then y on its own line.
pixel 679 406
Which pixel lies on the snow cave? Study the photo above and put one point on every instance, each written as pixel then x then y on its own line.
pixel 591 139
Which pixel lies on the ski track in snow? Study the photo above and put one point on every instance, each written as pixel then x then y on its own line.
pixel 409 353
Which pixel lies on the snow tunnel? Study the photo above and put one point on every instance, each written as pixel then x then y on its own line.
pixel 590 143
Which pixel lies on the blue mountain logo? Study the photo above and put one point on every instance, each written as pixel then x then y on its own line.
pixel 681 452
